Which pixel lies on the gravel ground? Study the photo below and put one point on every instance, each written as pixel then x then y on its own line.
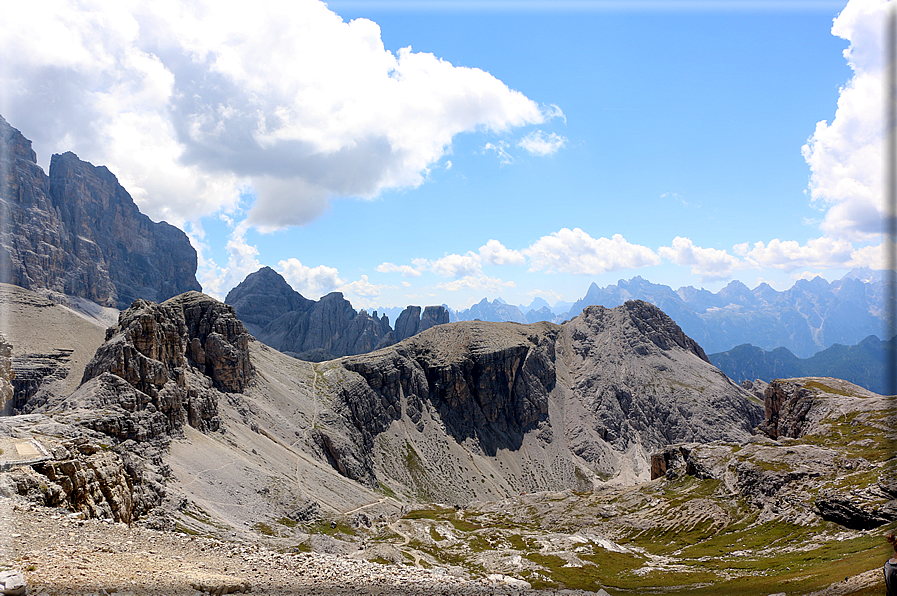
pixel 62 554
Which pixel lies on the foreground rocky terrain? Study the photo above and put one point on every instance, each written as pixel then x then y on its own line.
pixel 803 514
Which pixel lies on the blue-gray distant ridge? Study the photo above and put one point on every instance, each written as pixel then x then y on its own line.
pixel 810 316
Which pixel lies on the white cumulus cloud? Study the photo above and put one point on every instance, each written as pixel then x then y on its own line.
pixel 574 251
pixel 188 102
pixel 405 270
pixel 818 253
pixel 541 143
pixel 455 265
pixel 495 253
pixel 710 263
pixel 845 155
pixel 476 282
pixel 311 282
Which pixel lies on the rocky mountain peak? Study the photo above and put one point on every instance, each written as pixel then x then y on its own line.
pixel 643 322
pixel 262 297
pixel 77 231
pixel 14 144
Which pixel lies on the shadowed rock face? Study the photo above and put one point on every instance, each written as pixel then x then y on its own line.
pixel 489 382
pixel 78 232
pixel 319 330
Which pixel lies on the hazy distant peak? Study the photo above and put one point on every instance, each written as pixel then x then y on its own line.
pixel 865 274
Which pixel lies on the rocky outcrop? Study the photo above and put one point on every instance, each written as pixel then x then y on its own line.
pixel 77 231
pixel 91 478
pixel 218 343
pixel 319 330
pixel 7 376
pixel 162 367
pixel 835 437
pixel 843 509
pixel 786 404
pixel 410 322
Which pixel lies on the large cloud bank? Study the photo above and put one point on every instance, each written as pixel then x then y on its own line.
pixel 191 103
pixel 845 156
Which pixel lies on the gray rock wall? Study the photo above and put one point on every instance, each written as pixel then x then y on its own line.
pixel 78 232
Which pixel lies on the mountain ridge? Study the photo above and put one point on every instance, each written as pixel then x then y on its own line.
pixel 810 316
pixel 318 330
pixel 864 364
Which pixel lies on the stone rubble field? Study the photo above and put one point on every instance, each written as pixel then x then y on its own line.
pixel 60 553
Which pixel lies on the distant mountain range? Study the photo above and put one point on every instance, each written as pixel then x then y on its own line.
pixel 810 316
pixel 864 364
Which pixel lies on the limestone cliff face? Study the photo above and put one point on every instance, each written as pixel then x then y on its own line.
pixel 78 232
pixel 319 330
pixel 488 382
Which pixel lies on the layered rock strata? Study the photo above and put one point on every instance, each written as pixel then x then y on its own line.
pixel 78 232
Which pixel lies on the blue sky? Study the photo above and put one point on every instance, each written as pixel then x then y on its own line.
pixel 440 152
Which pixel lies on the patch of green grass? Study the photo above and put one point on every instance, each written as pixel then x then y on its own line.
pixel 518 542
pixel 822 387
pixel 463 525
pixel 432 513
pixel 609 569
pixel 678 492
pixel 443 514
pixel 285 521
pixel 386 490
pixel 263 528
pixel 436 535
pixel 330 528
pixel 182 529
